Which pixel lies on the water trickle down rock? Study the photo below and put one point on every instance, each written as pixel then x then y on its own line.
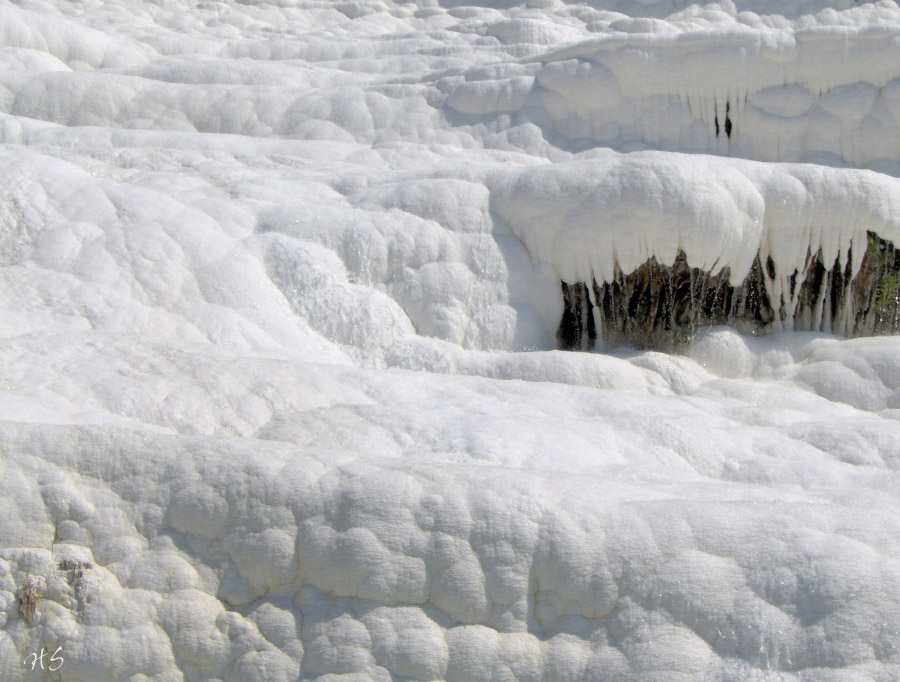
pixel 658 306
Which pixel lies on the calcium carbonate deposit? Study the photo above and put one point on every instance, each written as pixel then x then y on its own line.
pixel 283 285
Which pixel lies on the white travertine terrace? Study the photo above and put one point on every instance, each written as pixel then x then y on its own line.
pixel 279 284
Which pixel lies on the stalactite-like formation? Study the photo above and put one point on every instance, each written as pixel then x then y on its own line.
pixel 659 306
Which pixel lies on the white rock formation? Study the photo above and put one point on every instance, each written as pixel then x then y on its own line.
pixel 268 276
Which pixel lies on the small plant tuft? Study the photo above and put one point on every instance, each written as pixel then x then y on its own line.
pixel 75 570
pixel 30 595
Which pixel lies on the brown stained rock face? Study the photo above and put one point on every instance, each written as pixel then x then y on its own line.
pixel 659 306
pixel 876 290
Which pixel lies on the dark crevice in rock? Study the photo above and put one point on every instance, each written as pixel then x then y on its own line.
pixel 659 306
pixel 576 329
pixel 728 125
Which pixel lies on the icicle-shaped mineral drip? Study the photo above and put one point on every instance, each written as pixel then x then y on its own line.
pixel 732 311
pixel 799 279
pixel 584 337
pixel 819 318
pixel 859 244
pixel 593 298
pixel 671 298
pixel 693 305
pixel 846 296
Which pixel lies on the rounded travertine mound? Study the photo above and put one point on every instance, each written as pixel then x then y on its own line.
pixel 828 92
pixel 588 217
pixel 308 565
pixel 659 243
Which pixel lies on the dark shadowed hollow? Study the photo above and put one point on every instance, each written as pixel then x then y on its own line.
pixel 660 306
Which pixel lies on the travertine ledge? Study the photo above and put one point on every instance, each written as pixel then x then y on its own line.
pixel 660 306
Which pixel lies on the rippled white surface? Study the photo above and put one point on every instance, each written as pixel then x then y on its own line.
pixel 279 285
